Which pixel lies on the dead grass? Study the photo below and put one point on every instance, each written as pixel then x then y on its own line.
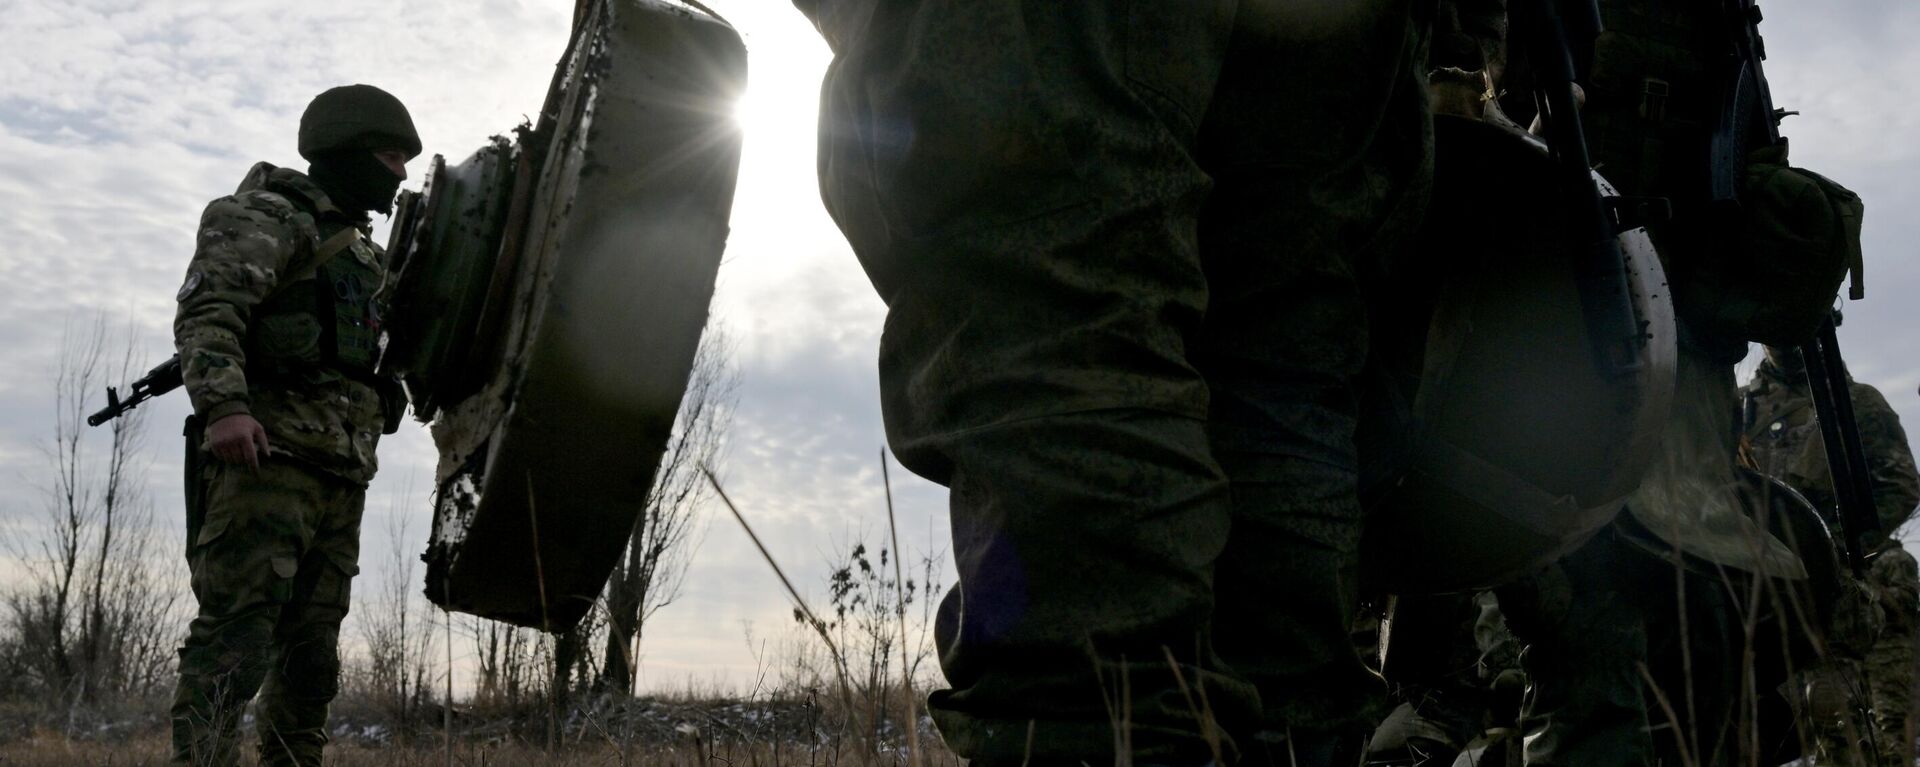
pixel 56 751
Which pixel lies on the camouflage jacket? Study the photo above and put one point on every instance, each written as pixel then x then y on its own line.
pixel 1784 440
pixel 255 247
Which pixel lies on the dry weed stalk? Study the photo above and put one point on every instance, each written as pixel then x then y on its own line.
pixel 900 612
pixel 819 626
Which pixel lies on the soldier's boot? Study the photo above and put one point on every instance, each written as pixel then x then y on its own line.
pixel 218 677
pixel 299 688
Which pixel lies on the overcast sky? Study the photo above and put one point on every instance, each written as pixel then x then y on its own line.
pixel 119 119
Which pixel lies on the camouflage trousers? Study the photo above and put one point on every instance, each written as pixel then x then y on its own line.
pixel 1890 666
pixel 1605 638
pixel 1121 242
pixel 272 555
pixel 1859 702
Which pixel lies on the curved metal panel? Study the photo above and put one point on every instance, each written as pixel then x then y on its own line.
pixel 589 328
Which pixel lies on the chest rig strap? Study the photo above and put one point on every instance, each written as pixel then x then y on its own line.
pixel 340 242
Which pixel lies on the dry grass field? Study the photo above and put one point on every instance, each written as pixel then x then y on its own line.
pixel 150 751
pixel 644 731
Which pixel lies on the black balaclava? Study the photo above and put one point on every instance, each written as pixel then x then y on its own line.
pixel 1788 365
pixel 339 132
pixel 355 180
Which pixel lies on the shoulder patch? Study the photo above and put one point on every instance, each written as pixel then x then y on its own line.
pixel 187 288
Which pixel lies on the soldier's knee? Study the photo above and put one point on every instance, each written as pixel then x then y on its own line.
pixel 310 662
pixel 224 646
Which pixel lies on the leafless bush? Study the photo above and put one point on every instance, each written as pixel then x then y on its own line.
pixel 852 677
pixel 396 671
pixel 93 617
pixel 507 668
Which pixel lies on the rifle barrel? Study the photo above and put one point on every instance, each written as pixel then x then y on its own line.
pixel 163 378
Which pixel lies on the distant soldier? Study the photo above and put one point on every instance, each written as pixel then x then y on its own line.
pixel 278 330
pixel 1784 441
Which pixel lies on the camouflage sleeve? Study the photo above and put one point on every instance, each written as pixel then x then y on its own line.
pixel 244 244
pixel 1896 485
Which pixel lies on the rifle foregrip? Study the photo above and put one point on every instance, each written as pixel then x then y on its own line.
pixel 164 378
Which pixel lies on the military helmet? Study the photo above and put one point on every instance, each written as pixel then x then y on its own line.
pixel 356 117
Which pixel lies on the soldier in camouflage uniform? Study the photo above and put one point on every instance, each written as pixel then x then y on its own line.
pixel 1119 242
pixel 1783 440
pixel 278 331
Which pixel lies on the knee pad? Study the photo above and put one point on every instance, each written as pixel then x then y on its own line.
pixel 310 663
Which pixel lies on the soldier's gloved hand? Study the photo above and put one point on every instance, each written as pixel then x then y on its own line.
pixel 238 439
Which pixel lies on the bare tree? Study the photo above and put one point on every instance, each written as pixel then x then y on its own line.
pixel 570 667
pixel 398 630
pixel 651 575
pixel 92 617
pixel 505 661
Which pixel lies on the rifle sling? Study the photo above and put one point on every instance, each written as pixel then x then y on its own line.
pixel 332 246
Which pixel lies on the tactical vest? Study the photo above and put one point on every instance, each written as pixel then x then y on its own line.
pixel 1652 98
pixel 1765 270
pixel 324 317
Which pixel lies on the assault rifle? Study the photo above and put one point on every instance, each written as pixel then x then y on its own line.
pixel 1749 121
pixel 158 381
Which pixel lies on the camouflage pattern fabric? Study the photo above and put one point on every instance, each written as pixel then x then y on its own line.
pixel 273 551
pixel 1119 242
pixel 1784 441
pixel 248 244
pixel 272 565
pixel 1873 662
pixel 1652 592
pixel 1890 662
pixel 1591 623
pixel 1856 702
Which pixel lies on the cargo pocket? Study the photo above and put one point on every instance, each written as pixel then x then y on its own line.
pixel 335 584
pixel 212 525
pixel 209 513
